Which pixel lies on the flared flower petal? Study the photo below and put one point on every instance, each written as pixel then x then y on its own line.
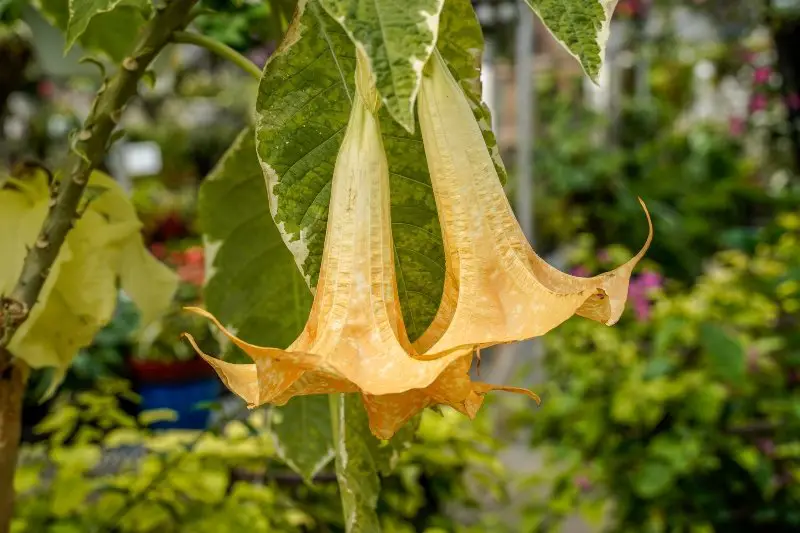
pixel 355 339
pixel 497 290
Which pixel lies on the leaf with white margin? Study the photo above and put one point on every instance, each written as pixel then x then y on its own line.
pixel 582 27
pixel 398 38
pixel 302 110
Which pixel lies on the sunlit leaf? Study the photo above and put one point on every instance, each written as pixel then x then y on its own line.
pixel 81 13
pixel 80 293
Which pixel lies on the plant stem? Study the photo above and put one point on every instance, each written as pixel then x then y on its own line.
pixel 91 145
pixel 222 50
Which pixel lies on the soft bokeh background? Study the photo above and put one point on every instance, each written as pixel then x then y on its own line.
pixel 684 417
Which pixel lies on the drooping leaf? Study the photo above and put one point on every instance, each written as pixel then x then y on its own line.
pixel 581 26
pixel 80 293
pixel 81 13
pixel 398 38
pixel 302 114
pixel 112 33
pixel 359 484
pixel 254 286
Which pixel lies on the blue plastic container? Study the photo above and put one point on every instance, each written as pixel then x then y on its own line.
pixel 183 398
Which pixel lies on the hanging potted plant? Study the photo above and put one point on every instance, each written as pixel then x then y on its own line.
pixel 167 373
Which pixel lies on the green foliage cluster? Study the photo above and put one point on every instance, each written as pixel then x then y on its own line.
pixel 703 194
pixel 688 421
pixel 101 468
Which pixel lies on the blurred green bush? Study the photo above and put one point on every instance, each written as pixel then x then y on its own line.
pixel 102 469
pixel 686 416
pixel 704 194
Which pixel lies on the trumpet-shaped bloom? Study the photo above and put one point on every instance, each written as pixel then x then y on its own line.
pixel 355 339
pixel 497 289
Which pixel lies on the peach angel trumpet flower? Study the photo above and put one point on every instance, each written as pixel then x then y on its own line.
pixel 355 339
pixel 497 290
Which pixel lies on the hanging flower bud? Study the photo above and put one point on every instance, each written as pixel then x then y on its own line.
pixel 497 289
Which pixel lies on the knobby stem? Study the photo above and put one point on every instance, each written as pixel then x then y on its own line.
pixel 222 50
pixel 91 145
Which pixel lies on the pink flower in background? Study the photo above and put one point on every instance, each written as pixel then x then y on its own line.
pixel 766 446
pixel 583 483
pixel 736 126
pixel 581 272
pixel 639 293
pixel 650 280
pixel 603 256
pixel 793 101
pixel 758 102
pixel 761 75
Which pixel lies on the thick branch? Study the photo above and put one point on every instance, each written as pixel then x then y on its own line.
pixel 91 143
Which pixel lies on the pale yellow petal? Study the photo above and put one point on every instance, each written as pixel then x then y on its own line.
pixel 497 289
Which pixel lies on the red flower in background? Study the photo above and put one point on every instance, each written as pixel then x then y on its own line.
pixel 159 250
pixel 46 89
pixel 629 8
pixel 192 267
pixel 793 101
pixel 189 263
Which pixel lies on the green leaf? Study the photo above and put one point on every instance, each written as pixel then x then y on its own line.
pixel 81 13
pixel 255 288
pixel 301 117
pixel 302 434
pixel 726 354
pixel 398 38
pixel 653 479
pixel 253 284
pixel 153 416
pixel 581 26
pixel 356 470
pixel 112 33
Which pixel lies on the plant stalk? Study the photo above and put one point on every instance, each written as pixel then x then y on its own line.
pixel 222 50
pixel 91 145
